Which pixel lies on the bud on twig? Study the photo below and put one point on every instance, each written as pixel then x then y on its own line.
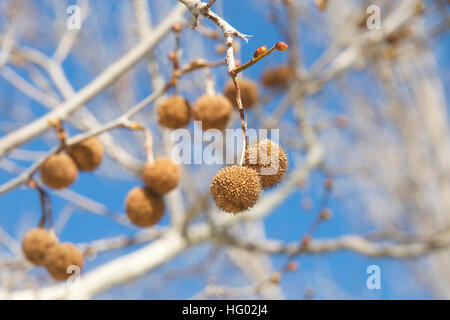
pixel 281 46
pixel 325 214
pixel 306 240
pixel 292 266
pixel 328 184
pixel 176 27
pixel 172 56
pixel 260 51
pixel 342 121
pixel 276 278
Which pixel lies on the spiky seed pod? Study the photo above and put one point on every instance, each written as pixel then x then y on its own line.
pixel 235 188
pixel 277 77
pixel 161 176
pixel 60 257
pixel 269 160
pixel 214 111
pixel 36 243
pixel 174 112
pixel 59 171
pixel 87 154
pixel 144 208
pixel 249 92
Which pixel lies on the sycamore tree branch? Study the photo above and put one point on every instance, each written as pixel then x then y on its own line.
pixel 355 243
pixel 121 121
pixel 197 8
pixel 140 262
pixel 172 243
pixel 102 81
pixel 86 120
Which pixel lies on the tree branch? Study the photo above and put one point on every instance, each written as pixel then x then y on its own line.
pixel 102 81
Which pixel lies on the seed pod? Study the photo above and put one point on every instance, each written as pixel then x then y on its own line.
pixel 214 111
pixel 144 208
pixel 161 176
pixel 277 77
pixel 36 243
pixel 249 93
pixel 235 188
pixel 269 160
pixel 174 112
pixel 59 171
pixel 87 154
pixel 60 257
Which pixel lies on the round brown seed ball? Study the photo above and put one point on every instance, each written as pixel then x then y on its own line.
pixel 214 111
pixel 59 171
pixel 269 160
pixel 161 176
pixel 144 208
pixel 249 93
pixel 60 257
pixel 277 77
pixel 36 243
pixel 235 188
pixel 87 154
pixel 174 112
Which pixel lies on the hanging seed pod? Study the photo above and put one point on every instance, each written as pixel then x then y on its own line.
pixel 235 188
pixel 174 112
pixel 269 160
pixel 36 243
pixel 87 154
pixel 161 176
pixel 144 208
pixel 60 257
pixel 214 111
pixel 59 171
pixel 277 77
pixel 249 93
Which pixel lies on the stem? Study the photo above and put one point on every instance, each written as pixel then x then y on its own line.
pixel 45 204
pixel 209 82
pixel 149 145
pixel 243 121
pixel 148 137
pixel 57 124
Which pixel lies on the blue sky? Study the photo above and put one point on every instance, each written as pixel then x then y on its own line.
pixel 334 275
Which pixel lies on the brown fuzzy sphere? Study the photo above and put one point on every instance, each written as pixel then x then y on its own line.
pixel 161 176
pixel 174 112
pixel 214 111
pixel 60 257
pixel 144 208
pixel 278 77
pixel 235 188
pixel 262 157
pixel 59 171
pixel 87 154
pixel 36 243
pixel 249 92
